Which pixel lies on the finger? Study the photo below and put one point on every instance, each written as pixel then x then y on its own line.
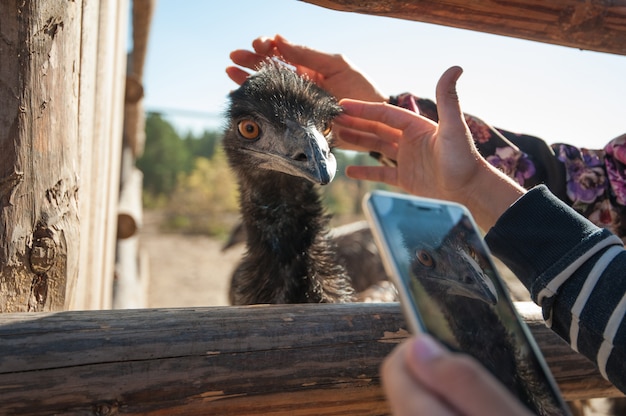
pixel 367 126
pixel 384 174
pixel 303 56
pixel 406 395
pixel 380 130
pixel 264 46
pixel 448 105
pixel 368 142
pixel 338 139
pixel 246 58
pixel 460 380
pixel 395 117
pixel 237 74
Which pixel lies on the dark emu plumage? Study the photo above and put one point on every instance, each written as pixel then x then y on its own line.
pixel 278 144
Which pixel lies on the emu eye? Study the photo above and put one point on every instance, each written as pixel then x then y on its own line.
pixel 425 258
pixel 249 129
pixel 327 129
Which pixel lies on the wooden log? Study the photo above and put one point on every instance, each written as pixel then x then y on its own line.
pixel 592 25
pixel 143 10
pixel 105 30
pixel 256 360
pixel 130 290
pixel 39 153
pixel 134 120
pixel 130 214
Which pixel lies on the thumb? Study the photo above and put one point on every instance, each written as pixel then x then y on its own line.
pixel 460 380
pixel 448 105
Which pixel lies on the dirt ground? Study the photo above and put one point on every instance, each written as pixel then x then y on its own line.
pixel 185 270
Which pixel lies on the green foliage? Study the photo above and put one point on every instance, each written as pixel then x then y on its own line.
pixel 203 146
pixel 343 196
pixel 164 158
pixel 205 200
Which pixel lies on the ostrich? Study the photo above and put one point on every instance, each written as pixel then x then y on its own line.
pixel 455 275
pixel 278 143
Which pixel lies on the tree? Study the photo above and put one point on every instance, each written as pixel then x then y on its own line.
pixel 165 157
pixel 204 145
pixel 205 200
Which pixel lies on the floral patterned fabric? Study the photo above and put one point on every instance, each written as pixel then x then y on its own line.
pixel 591 181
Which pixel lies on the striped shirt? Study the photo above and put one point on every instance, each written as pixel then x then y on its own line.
pixel 574 270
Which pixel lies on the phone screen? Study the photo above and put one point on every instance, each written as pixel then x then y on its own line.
pixel 449 287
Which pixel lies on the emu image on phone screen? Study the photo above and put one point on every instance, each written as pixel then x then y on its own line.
pixel 450 289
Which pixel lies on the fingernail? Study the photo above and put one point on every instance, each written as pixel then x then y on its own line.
pixel 425 348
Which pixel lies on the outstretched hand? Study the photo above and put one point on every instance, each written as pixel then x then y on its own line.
pixel 433 160
pixel 423 149
pixel 332 72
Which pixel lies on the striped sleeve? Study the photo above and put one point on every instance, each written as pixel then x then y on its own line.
pixel 574 270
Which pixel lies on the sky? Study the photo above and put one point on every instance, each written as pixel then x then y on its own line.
pixel 560 94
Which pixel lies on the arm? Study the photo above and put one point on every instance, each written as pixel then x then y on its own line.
pixel 574 270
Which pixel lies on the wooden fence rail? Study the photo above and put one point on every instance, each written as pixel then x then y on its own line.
pixel 270 360
pixel 593 25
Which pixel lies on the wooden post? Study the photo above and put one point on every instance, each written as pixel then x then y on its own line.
pixel 315 359
pixel 131 283
pixel 61 88
pixel 39 152
pixel 106 29
pixel 583 24
pixel 142 13
pixel 130 214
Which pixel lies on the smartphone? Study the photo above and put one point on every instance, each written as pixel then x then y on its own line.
pixel 449 287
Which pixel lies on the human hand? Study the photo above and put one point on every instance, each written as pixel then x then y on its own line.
pixel 433 160
pixel 332 72
pixel 421 377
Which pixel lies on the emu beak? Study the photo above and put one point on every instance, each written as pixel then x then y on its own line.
pixel 477 285
pixel 307 154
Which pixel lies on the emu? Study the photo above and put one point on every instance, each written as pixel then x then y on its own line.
pixel 278 143
pixel 455 275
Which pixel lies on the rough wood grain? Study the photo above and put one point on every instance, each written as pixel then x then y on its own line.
pixel 592 25
pixel 61 88
pixel 39 152
pixel 105 30
pixel 270 360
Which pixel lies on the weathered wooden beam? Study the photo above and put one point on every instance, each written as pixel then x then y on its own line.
pixel 40 45
pixel 592 25
pixel 134 120
pixel 269 360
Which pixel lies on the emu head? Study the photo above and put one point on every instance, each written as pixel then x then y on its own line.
pixel 456 266
pixel 279 121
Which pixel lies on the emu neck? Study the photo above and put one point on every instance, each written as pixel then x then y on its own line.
pixel 492 345
pixel 284 224
pixel 289 258
pixel 282 214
